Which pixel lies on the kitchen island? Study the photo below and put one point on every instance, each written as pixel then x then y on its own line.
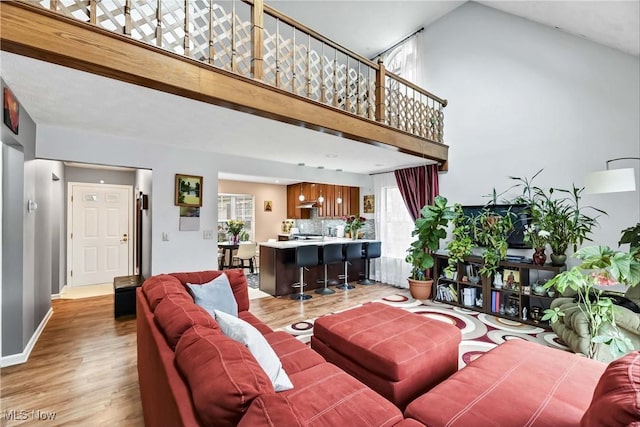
pixel 278 271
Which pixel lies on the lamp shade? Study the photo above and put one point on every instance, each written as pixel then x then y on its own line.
pixel 610 181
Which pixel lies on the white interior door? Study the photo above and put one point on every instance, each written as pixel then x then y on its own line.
pixel 100 239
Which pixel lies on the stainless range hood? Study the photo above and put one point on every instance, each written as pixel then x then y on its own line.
pixel 307 205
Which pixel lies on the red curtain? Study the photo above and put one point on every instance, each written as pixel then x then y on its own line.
pixel 418 187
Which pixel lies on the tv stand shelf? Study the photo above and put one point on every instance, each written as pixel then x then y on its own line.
pixel 515 300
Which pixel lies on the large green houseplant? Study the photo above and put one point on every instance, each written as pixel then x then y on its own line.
pixel 601 266
pixel 429 229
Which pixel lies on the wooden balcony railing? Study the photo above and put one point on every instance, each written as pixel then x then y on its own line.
pixel 254 40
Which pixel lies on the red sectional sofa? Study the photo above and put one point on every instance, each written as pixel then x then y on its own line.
pixel 190 374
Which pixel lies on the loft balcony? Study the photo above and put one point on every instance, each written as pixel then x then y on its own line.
pixel 239 54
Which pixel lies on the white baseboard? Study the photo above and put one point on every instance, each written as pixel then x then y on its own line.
pixel 16 359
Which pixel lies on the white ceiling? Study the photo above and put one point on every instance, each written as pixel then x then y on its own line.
pixel 71 98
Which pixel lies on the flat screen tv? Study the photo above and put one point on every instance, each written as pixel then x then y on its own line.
pixel 519 215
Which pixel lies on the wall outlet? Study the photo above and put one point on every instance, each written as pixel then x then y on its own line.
pixel 165 237
pixel 207 234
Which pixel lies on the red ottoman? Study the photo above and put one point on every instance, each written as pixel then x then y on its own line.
pixel 397 353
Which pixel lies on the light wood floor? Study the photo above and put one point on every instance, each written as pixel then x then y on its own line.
pixel 83 367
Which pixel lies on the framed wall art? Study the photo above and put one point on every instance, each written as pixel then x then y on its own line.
pixel 268 206
pixel 11 110
pixel 369 204
pixel 188 190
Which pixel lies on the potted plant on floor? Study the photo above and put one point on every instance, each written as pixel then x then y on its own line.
pixel 429 229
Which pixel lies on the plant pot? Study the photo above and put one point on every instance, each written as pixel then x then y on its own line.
pixel 558 260
pixel 539 257
pixel 420 289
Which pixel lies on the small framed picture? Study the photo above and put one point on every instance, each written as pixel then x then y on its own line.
pixel 188 190
pixel 369 204
pixel 511 278
pixel 11 110
pixel 268 206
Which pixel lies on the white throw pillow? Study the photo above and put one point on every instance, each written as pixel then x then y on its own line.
pixel 245 333
pixel 215 295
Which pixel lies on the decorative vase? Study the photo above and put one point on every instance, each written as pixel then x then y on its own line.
pixel 539 257
pixel 235 239
pixel 354 234
pixel 558 260
pixel 420 289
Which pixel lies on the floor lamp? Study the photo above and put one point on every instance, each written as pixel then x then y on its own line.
pixel 611 180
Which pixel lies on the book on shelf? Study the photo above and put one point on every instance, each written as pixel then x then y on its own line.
pixel 447 293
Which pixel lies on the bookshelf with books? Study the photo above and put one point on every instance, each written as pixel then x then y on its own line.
pixel 514 293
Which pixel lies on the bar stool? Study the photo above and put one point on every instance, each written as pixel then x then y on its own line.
pixel 329 254
pixel 350 252
pixel 369 250
pixel 306 256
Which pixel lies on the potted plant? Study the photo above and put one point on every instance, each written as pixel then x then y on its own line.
pixel 234 227
pixel 353 224
pixel 564 219
pixel 491 231
pixel 429 229
pixel 461 244
pixel 601 266
pixel 538 239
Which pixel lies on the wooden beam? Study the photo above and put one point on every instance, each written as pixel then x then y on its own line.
pixel 41 34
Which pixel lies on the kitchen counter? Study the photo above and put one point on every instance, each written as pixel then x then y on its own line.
pixel 278 271
pixel 319 242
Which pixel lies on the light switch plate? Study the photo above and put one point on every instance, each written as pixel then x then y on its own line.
pixel 207 234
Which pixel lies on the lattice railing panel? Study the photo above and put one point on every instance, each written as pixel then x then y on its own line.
pixel 243 47
pixel 222 38
pixel 328 81
pixel 143 21
pixel 42 3
pixel 77 9
pixel 300 70
pixel 172 18
pixel 110 15
pixel 199 31
pixel 315 76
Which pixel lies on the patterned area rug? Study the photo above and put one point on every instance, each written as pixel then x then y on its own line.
pixel 480 332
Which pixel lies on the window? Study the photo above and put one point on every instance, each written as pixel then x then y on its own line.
pixel 235 206
pixel 393 228
pixel 398 224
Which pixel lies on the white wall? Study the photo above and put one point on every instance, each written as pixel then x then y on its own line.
pixel 524 97
pixel 183 251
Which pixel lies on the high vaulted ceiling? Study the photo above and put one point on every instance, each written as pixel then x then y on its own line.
pixel 70 98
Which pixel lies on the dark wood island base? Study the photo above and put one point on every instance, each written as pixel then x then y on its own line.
pixel 278 271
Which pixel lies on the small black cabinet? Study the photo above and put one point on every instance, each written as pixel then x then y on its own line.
pixel 124 290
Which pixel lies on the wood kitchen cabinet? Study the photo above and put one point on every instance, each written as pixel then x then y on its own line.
pixel 330 208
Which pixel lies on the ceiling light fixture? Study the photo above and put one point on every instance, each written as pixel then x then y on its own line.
pixel 301 196
pixel 611 180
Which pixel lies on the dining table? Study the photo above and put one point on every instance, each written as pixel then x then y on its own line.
pixel 226 250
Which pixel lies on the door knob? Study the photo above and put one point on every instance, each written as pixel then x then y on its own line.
pixel 124 238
